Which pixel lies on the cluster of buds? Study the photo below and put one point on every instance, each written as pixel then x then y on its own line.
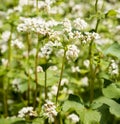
pixel 49 109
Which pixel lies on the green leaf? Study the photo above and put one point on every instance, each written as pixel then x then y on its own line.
pixel 112 91
pixel 73 97
pixel 12 121
pixel 113 50
pixel 38 121
pixel 90 116
pixel 52 78
pixel 114 107
pixel 72 105
pixel 111 12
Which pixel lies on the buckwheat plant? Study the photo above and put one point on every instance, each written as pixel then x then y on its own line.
pixel 59 62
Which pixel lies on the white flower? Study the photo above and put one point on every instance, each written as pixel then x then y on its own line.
pixel 75 69
pixel 95 35
pixel 72 52
pixel 16 84
pixel 86 63
pixel 77 35
pixel 84 81
pixel 39 69
pixel 64 81
pixel 49 110
pixel 67 25
pixel 60 53
pixel 3 48
pixel 70 34
pixel 5 36
pixel 54 90
pixel 33 52
pixel 27 111
pixel 79 24
pixel 73 117
pixel 47 49
pixel 4 61
pixel 114 68
pixel 57 43
pixel 17 43
pixel 23 2
pixel 54 35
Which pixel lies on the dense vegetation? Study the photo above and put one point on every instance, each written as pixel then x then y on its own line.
pixel 59 62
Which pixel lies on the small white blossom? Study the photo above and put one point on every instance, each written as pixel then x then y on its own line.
pixel 49 110
pixel 39 69
pixel 16 84
pixel 17 43
pixel 113 69
pixel 84 81
pixel 71 35
pixel 47 49
pixel 77 35
pixel 3 48
pixel 5 36
pixel 80 24
pixel 33 52
pixel 54 35
pixel 27 111
pixel 23 2
pixel 95 35
pixel 4 61
pixel 86 63
pixel 54 90
pixel 75 69
pixel 72 52
pixel 64 81
pixel 60 53
pixel 57 43
pixel 74 118
pixel 67 25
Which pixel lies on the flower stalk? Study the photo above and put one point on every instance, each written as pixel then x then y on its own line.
pixel 45 84
pixel 36 73
pixel 61 74
pixel 28 69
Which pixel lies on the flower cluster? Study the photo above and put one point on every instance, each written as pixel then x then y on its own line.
pixel 27 112
pixel 49 110
pixel 38 25
pixel 114 69
pixel 73 118
pixel 17 43
pixel 72 53
pixel 47 49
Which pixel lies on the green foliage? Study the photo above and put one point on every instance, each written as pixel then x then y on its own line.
pixel 114 107
pixel 59 62
pixel 113 50
pixel 112 91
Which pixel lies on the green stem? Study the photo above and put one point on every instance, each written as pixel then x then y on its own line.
pixel 97 24
pixel 28 69
pixel 96 6
pixel 5 87
pixel 61 74
pixel 5 102
pixel 36 73
pixel 92 70
pixel 9 47
pixel 45 84
pixel 98 20
pixel 91 81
